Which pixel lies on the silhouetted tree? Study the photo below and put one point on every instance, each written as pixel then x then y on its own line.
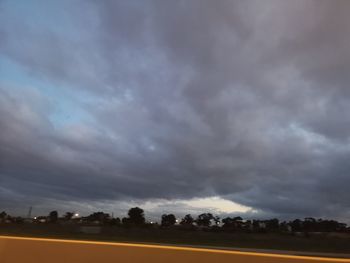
pixel 216 220
pixel 227 222
pixel 187 220
pixel 233 223
pixel 284 226
pixel 309 224
pixel 248 226
pixel 115 221
pixel 3 215
pixel 136 216
pixel 18 220
pixel 342 227
pixel 258 225
pixel 68 215
pixel 99 217
pixel 168 220
pixel 125 221
pixel 53 216
pixel 204 219
pixel 272 224
pixel 238 222
pixel 297 225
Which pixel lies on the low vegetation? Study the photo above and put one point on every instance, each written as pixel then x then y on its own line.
pixel 309 234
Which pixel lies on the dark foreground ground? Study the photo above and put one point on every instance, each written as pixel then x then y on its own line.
pixel 325 243
pixel 33 250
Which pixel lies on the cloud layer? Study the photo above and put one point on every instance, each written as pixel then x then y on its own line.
pixel 113 101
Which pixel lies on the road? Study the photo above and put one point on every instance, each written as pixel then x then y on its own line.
pixel 30 250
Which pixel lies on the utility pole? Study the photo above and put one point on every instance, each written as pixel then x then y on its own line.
pixel 30 212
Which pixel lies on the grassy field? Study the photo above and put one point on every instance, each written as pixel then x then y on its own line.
pixel 319 243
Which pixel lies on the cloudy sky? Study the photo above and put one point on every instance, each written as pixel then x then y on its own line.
pixel 230 107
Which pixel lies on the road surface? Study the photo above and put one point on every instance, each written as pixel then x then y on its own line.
pixel 36 250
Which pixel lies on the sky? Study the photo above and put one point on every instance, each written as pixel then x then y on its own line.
pixel 230 107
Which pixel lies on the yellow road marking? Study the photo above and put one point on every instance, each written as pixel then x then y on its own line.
pixel 258 254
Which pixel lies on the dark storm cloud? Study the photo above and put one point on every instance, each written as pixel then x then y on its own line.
pixel 247 100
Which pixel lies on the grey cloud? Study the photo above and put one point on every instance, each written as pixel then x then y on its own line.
pixel 240 99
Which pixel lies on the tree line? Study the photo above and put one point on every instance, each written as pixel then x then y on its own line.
pixel 204 221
